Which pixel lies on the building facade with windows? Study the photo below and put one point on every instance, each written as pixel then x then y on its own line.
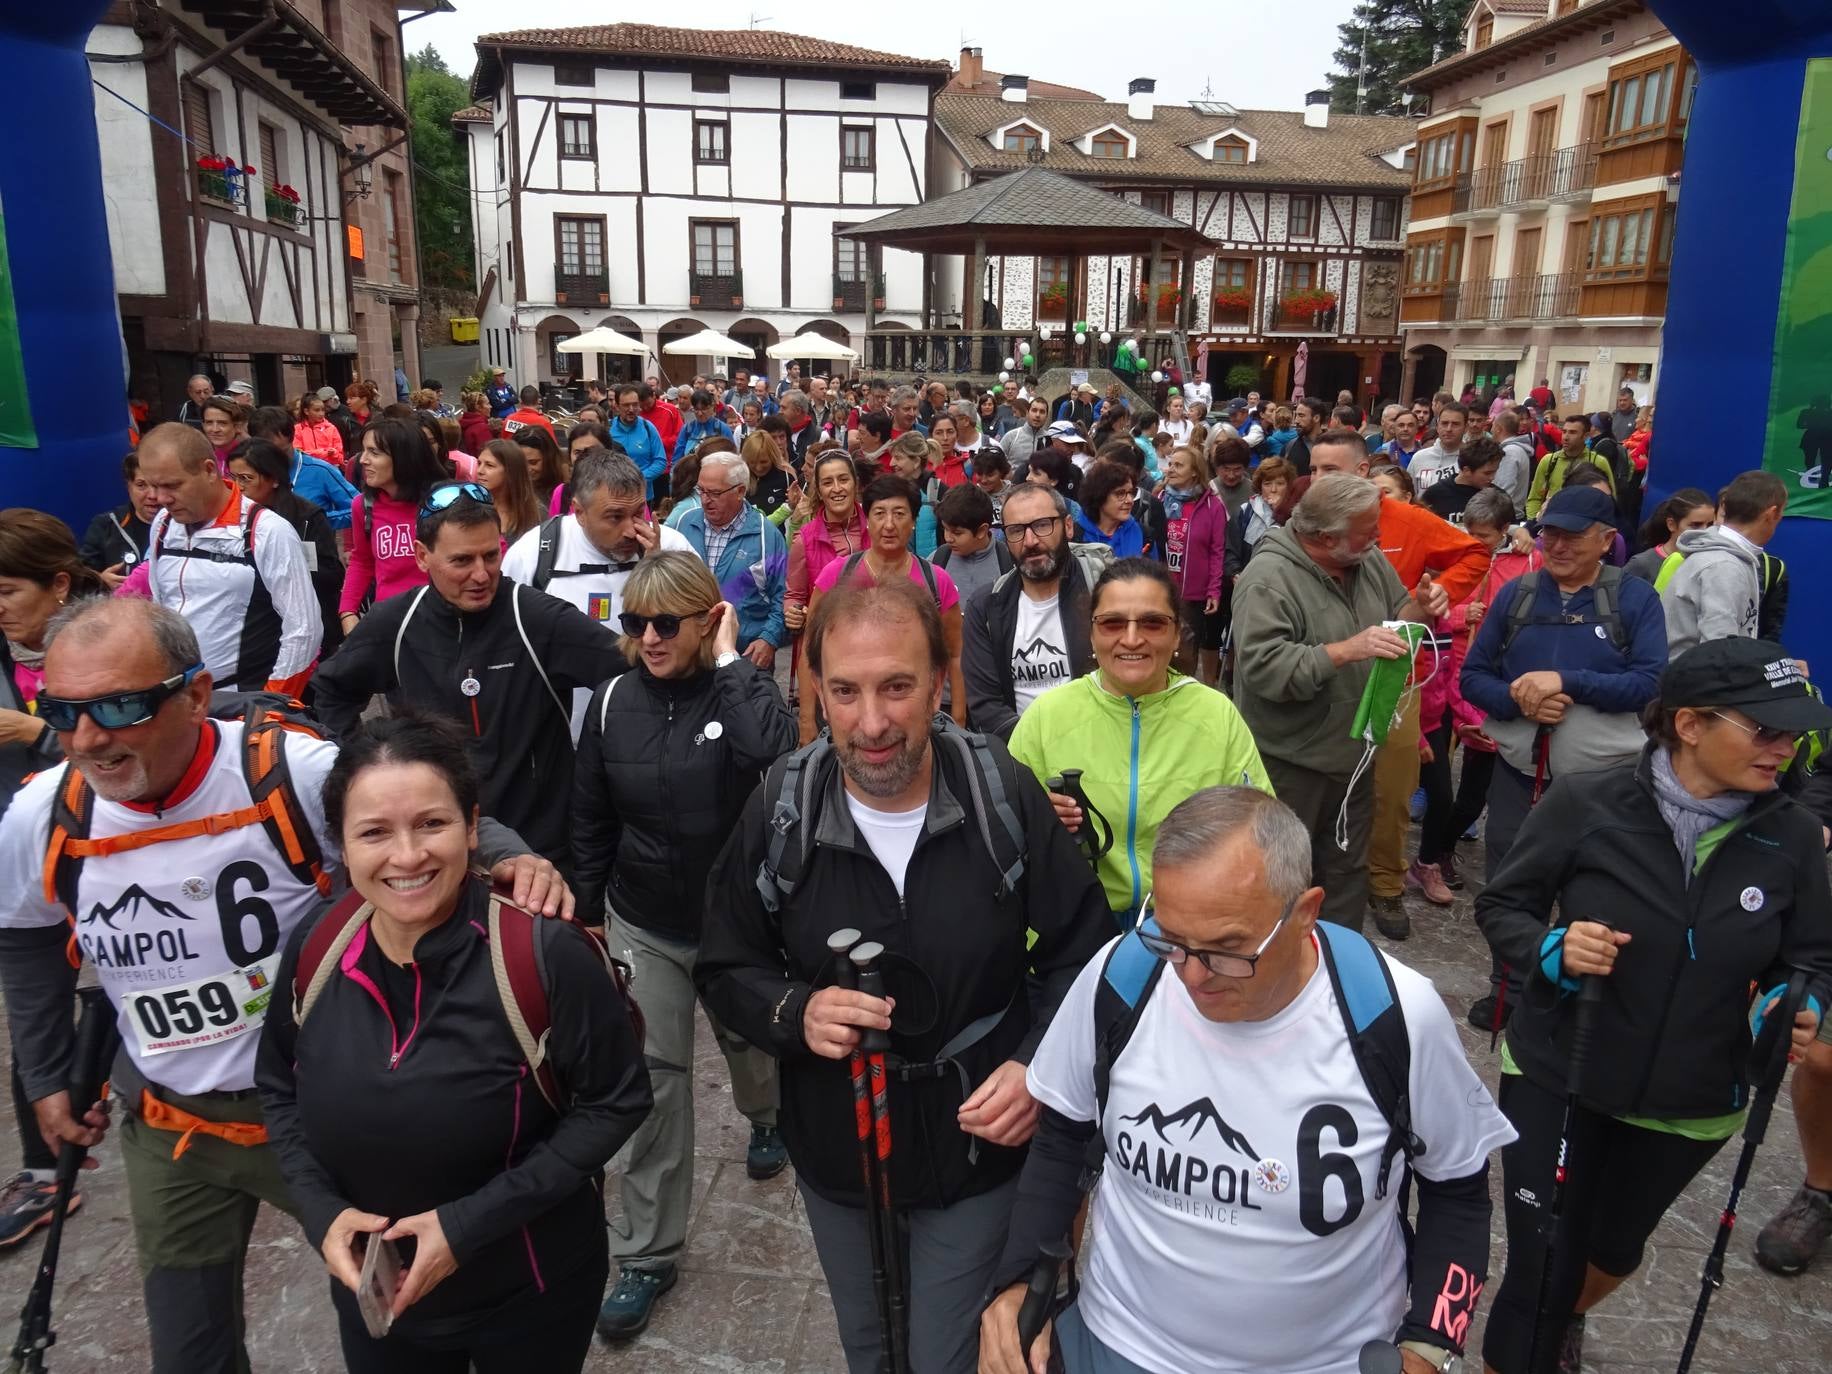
pixel 1543 201
pixel 1308 210
pixel 665 181
pixel 223 151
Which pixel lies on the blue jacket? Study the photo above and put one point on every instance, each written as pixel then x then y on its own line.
pixel 643 442
pixel 693 431
pixel 325 487
pixel 1595 673
pixel 501 399
pixel 752 572
pixel 1128 541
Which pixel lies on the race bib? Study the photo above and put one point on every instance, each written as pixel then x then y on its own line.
pixel 1175 534
pixel 598 607
pixel 205 1012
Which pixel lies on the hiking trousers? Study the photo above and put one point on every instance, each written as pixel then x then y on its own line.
pixel 658 1161
pixel 192 1217
pixel 1319 798
pixel 1396 778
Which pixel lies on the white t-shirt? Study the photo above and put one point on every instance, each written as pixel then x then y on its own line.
pixel 1429 466
pixel 598 595
pixel 1039 649
pixel 1179 430
pixel 891 835
pixel 1195 1262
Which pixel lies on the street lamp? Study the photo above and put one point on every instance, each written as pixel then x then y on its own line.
pixel 362 173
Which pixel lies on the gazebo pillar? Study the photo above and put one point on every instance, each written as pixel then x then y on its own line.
pixel 975 285
pixel 928 290
pixel 1151 286
pixel 874 264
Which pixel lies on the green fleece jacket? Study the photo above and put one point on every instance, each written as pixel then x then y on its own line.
pixel 1298 705
pixel 1139 757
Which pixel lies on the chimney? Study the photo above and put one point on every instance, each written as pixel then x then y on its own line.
pixel 1014 88
pixel 972 68
pixel 1316 110
pixel 1139 97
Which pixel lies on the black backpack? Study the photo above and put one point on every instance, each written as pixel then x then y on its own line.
pixel 1606 593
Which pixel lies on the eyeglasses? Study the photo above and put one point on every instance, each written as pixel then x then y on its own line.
pixel 1762 735
pixel 1214 960
pixel 117 711
pixel 1154 623
pixel 1038 528
pixel 450 493
pixel 666 626
pixel 707 494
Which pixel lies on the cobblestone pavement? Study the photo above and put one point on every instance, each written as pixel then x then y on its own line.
pixel 751 1299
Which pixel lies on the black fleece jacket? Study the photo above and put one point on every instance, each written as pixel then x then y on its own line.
pixel 405 1092
pixel 956 951
pixel 661 777
pixel 987 636
pixel 520 733
pixel 1672 1034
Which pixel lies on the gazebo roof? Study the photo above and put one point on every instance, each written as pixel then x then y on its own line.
pixel 1032 211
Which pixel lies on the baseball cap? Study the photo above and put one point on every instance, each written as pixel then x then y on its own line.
pixel 1236 403
pixel 326 393
pixel 239 388
pixel 1754 676
pixel 1087 387
pixel 1064 430
pixel 499 372
pixel 1578 508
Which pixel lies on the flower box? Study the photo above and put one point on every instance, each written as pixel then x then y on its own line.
pixel 223 180
pixel 283 207
pixel 1233 299
pixel 1053 302
pixel 1308 302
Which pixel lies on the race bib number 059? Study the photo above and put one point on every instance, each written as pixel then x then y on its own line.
pixel 205 1012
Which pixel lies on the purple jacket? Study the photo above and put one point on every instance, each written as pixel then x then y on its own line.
pixel 1204 544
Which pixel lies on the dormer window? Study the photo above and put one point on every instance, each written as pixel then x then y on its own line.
pixel 1485 30
pixel 1232 150
pixel 1021 138
pixel 1107 144
pixel 1232 146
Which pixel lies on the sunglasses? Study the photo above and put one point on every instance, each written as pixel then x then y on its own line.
pixel 666 626
pixel 1762 735
pixel 117 711
pixel 1156 623
pixel 450 494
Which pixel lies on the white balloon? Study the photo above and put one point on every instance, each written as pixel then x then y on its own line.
pixel 1106 336
pixel 1005 376
pixel 1043 331
pixel 1011 362
pixel 1157 376
pixel 1080 339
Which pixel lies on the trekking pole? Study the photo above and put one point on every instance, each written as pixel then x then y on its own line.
pixel 875 1043
pixel 1546 1341
pixel 1767 1064
pixel 1095 837
pixel 1039 1293
pixel 840 944
pixel 1379 1357
pixel 95 1047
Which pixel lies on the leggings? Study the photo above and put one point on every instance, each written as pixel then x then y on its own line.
pixel 1622 1180
pixel 1445 819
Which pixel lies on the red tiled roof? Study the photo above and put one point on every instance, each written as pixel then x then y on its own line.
pixel 729 45
pixel 988 84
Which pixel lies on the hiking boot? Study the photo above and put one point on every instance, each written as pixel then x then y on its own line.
pixel 1391 918
pixel 1430 883
pixel 1448 867
pixel 1797 1233
pixel 1482 1013
pixel 767 1155
pixel 628 1307
pixel 26 1204
pixel 1417 806
pixel 1571 1349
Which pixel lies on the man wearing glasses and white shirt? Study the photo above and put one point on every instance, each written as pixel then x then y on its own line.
pixel 1235 1064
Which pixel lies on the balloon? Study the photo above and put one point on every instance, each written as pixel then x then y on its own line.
pixel 1043 331
pixel 1027 360
pixel 1157 376
pixel 1011 362
pixel 1106 336
pixel 1080 339
pixel 1005 376
pixel 1128 346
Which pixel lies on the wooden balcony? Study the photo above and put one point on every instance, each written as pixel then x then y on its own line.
pixel 715 291
pixel 582 288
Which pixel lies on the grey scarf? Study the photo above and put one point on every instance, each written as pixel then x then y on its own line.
pixel 24 657
pixel 1687 816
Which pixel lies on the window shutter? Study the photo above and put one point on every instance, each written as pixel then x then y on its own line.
pixel 270 156
pixel 197 125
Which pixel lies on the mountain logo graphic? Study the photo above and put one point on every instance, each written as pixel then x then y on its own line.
pixel 1194 1116
pixel 135 902
pixel 1036 648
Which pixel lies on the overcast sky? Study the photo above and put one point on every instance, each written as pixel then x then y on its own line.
pixel 1254 54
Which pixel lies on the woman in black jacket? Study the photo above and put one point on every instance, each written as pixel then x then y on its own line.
pixel 1681 881
pixel 263 472
pixel 668 756
pixel 401 1103
pixel 116 539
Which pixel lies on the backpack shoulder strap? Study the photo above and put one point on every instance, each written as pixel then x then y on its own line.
pixel 791 822
pixel 1376 1025
pixel 548 553
pixel 400 632
pixel 941 556
pixel 1002 556
pixel 1126 982
pixel 1520 609
pixel 1773 570
pixel 269 775
pixel 324 946
pixel 852 562
pixel 928 576
pixel 515 604
pixel 72 807
pixel 991 796
pixel 1606 596
pixel 1669 566
pixel 515 962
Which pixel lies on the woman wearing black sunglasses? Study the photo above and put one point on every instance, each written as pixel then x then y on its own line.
pixel 667 757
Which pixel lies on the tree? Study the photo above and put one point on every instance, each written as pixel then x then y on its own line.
pixel 442 178
pixel 1401 37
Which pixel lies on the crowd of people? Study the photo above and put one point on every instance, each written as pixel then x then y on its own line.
pixel 693 698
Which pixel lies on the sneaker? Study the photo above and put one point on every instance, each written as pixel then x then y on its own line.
pixel 628 1307
pixel 1448 867
pixel 767 1155
pixel 1391 918
pixel 1798 1232
pixel 1429 882
pixel 26 1204
pixel 1417 806
pixel 1571 1349
pixel 1482 1013
pixel 1475 830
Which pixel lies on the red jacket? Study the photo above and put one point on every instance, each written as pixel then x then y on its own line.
pixel 515 419
pixel 474 433
pixel 667 422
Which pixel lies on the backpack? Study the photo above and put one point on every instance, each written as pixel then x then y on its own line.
pixel 515 605
pixel 1092 559
pixel 991 784
pixel 1001 556
pixel 244 558
pixel 548 553
pixel 276 807
pixel 1606 592
pixel 515 958
pixel 928 574
pixel 1365 994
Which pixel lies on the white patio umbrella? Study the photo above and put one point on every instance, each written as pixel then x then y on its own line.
pixel 603 339
pixel 709 343
pixel 813 346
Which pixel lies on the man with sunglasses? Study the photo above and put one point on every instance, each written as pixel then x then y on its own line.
pixel 497 657
pixel 182 903
pixel 1253 1214
pixel 1028 631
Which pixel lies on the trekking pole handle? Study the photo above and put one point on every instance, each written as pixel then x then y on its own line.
pixel 1584 1024
pixel 1380 1357
pixel 1039 1292
pixel 840 945
pixel 1769 1051
pixel 871 982
pixel 94 1028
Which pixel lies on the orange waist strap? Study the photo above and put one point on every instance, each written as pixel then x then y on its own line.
pixel 163 1116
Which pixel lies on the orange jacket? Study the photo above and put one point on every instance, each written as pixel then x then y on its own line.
pixel 1416 541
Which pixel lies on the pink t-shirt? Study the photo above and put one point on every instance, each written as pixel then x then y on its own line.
pixel 381 550
pixel 945 596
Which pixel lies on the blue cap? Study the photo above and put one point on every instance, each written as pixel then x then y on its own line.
pixel 1578 508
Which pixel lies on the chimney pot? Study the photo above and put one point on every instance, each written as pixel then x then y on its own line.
pixel 1140 97
pixel 1316 110
pixel 972 68
pixel 1014 88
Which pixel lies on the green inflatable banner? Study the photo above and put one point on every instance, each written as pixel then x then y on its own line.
pixel 16 430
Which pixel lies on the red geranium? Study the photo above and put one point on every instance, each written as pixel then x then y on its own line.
pixel 211 163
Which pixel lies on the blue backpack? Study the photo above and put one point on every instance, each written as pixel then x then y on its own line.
pixel 1364 991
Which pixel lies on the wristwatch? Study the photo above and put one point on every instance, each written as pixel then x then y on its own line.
pixel 726 659
pixel 1440 1359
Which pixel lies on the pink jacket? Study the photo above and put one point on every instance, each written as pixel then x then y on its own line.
pixel 1504 566
pixel 321 440
pixel 381 550
pixel 1205 542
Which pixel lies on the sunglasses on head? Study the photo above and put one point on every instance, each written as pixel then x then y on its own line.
pixel 117 711
pixel 666 626
pixel 450 493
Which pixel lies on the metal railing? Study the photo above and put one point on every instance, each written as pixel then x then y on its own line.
pixel 582 288
pixel 1525 181
pixel 716 291
pixel 982 354
pixel 1495 300
pixel 849 292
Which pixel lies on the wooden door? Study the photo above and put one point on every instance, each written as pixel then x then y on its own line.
pixel 1482 258
pixel 1495 144
pixel 1577 244
pixel 1527 248
pixel 1524 281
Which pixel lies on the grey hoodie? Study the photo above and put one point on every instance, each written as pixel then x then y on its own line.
pixel 1298 705
pixel 1717 591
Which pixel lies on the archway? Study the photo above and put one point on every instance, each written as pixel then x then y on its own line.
pixel 1426 366
pixel 557 367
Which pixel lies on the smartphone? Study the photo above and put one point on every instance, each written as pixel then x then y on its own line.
pixel 380 1281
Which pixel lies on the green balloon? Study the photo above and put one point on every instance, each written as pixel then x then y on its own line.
pixel 1026 359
